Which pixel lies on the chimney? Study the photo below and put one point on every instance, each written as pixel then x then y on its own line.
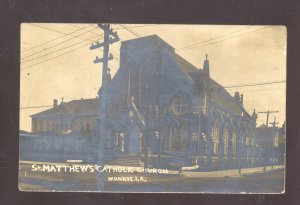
pixel 54 103
pixel 237 96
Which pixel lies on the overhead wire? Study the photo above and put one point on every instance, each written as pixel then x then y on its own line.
pixel 57 50
pixel 214 42
pixel 255 84
pixel 67 34
pixel 73 37
pixel 221 36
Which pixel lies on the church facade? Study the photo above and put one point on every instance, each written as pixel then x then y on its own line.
pixel 171 114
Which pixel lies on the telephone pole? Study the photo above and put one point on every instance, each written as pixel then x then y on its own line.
pixel 268 114
pixel 110 37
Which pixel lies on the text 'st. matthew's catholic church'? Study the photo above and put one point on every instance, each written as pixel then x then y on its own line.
pixel 168 113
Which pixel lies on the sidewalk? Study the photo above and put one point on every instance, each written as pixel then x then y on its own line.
pixel 232 172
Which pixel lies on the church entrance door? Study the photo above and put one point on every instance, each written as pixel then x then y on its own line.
pixel 134 146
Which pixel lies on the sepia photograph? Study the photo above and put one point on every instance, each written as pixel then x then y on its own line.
pixel 160 108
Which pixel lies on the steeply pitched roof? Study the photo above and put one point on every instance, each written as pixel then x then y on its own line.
pixel 82 106
pixel 218 93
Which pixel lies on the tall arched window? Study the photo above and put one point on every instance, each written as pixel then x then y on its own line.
pixel 233 140
pixel 184 135
pixel 174 138
pixel 215 138
pixel 225 137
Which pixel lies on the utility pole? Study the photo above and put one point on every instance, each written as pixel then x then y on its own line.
pixel 110 37
pixel 268 114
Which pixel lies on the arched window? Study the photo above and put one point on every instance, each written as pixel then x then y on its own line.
pixel 174 138
pixel 215 138
pixel 233 140
pixel 184 135
pixel 225 137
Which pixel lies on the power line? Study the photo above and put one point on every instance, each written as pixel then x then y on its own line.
pixel 55 30
pixel 56 56
pixel 32 107
pixel 131 31
pixel 227 38
pixel 67 34
pixel 70 46
pixel 260 90
pixel 254 84
pixel 221 36
pixel 62 55
pixel 115 58
pixel 137 26
pixel 56 51
pixel 81 28
pixel 115 68
pixel 62 43
pixel 84 28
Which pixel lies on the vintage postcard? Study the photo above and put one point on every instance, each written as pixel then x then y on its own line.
pixel 152 108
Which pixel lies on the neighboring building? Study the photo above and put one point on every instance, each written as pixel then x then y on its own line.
pixel 271 142
pixel 76 117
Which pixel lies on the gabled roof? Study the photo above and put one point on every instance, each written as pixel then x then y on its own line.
pixel 82 106
pixel 218 93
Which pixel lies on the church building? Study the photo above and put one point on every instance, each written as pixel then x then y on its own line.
pixel 163 111
pixel 172 114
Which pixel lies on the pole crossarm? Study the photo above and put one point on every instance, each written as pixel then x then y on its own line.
pixel 105 28
pixel 268 114
pixel 100 60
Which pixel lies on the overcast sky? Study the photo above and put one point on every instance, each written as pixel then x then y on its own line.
pixel 56 61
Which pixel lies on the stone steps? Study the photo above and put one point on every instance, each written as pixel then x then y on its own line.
pixel 129 161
